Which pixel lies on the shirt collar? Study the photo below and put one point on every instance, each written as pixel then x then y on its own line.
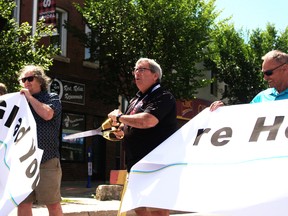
pixel 151 89
pixel 273 91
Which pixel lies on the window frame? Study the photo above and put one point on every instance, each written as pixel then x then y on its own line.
pixel 16 13
pixel 63 31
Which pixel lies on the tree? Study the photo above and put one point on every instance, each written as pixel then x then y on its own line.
pixel 283 41
pixel 19 46
pixel 175 33
pixel 237 62
pixel 234 64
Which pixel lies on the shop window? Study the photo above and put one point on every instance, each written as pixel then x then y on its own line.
pixel 74 149
pixel 59 38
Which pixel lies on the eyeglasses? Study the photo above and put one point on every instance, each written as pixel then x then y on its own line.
pixel 270 72
pixel 30 79
pixel 140 70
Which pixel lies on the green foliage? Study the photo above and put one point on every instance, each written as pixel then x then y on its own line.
pixel 233 64
pixel 282 41
pixel 238 62
pixel 178 34
pixel 19 47
pixel 174 33
pixel 6 8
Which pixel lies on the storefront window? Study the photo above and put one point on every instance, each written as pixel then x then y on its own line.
pixel 74 149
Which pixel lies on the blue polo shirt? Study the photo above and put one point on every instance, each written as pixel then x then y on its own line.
pixel 270 94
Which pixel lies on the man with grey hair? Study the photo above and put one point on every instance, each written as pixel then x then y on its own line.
pixel 150 118
pixel 275 72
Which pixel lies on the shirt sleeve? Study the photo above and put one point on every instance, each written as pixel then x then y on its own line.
pixel 55 104
pixel 161 105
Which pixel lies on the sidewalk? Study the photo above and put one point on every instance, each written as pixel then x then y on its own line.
pixel 78 200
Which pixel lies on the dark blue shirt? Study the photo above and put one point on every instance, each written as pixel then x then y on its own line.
pixel 48 131
pixel 139 142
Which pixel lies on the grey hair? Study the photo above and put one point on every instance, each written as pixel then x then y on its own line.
pixel 39 74
pixel 3 89
pixel 154 66
pixel 276 55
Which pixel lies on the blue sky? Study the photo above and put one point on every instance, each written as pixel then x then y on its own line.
pixel 251 14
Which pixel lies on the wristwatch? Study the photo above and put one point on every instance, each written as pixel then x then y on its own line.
pixel 118 117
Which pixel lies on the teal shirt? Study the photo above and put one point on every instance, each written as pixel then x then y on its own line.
pixel 270 94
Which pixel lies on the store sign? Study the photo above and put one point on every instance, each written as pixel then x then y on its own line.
pixel 187 109
pixel 72 149
pixel 47 10
pixel 69 92
pixel 73 123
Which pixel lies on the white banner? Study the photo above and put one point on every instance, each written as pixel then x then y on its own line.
pixel 236 166
pixel 19 153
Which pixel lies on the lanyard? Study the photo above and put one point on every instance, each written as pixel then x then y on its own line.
pixel 139 103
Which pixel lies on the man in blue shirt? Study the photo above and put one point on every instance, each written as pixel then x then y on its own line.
pixel 275 72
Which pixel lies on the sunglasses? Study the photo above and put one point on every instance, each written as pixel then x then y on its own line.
pixel 270 72
pixel 30 79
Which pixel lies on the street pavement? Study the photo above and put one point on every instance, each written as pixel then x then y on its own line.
pixel 79 200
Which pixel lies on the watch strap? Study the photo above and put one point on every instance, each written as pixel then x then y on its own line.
pixel 118 117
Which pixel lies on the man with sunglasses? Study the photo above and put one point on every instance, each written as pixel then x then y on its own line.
pixel 46 109
pixel 275 72
pixel 150 118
